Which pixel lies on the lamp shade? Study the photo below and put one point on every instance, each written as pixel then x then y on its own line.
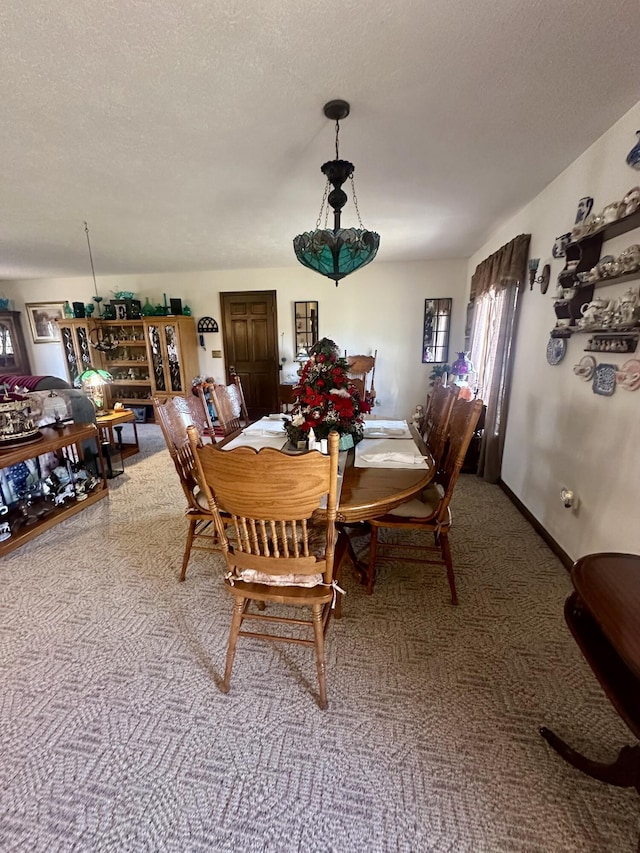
pixel 93 377
pixel 336 253
pixel 461 366
pixel 93 381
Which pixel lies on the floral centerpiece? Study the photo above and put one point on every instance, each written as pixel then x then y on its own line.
pixel 326 399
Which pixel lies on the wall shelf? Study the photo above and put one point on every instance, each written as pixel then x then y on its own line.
pixel 612 229
pixel 605 282
pixel 586 251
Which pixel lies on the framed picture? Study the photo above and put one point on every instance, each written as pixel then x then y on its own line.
pixel 435 330
pixel 42 320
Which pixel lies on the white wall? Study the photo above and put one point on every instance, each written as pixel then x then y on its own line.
pixel 380 307
pixel 559 432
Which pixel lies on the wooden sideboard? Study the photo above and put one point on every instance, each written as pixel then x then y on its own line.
pixel 42 515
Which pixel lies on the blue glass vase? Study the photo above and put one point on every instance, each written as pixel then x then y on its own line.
pixel 346 441
pixel 633 157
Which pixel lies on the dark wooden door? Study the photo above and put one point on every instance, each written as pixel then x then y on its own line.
pixel 250 337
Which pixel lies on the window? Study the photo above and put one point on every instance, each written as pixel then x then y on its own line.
pixel 491 339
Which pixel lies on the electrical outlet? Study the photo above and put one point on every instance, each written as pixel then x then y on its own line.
pixel 216 353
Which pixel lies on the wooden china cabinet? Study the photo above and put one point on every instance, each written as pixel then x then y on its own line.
pixel 128 363
pixel 13 352
pixel 154 355
pixel 173 353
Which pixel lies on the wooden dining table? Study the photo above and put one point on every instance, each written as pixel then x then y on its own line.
pixel 368 493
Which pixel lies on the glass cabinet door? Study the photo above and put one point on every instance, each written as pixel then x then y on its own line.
pixel 173 357
pixel 77 353
pixel 157 357
pixel 7 352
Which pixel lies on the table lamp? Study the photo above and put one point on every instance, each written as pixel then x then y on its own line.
pixel 92 382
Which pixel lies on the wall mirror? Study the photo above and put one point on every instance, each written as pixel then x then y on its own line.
pixel 306 324
pixel 435 336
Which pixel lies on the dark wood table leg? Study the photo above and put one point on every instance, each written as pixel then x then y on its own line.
pixel 623 772
pixel 359 566
pixel 342 547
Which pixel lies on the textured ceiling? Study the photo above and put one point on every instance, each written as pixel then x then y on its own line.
pixel 190 133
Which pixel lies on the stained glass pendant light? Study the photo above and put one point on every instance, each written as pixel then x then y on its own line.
pixel 336 252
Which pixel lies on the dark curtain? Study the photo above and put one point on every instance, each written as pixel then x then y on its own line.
pixel 504 270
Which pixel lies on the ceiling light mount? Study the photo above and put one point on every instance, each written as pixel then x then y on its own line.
pixel 336 252
pixel 337 110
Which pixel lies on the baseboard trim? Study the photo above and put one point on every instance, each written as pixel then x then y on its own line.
pixel 560 553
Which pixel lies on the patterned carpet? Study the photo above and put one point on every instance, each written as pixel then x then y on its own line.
pixel 114 736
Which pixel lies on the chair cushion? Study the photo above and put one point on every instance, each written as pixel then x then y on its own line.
pixel 253 576
pixel 201 498
pixel 421 507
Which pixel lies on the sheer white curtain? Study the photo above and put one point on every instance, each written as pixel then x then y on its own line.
pixel 485 335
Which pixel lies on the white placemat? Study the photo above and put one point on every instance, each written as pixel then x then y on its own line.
pixel 257 441
pixel 389 453
pixel 386 429
pixel 266 426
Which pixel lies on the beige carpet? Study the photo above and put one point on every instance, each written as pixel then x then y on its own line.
pixel 114 737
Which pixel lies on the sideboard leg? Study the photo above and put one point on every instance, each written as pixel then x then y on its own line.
pixel 623 772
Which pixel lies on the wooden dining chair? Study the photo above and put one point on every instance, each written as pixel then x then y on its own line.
pixel 175 414
pixel 279 554
pixel 431 512
pixel 358 370
pixel 436 421
pixel 229 404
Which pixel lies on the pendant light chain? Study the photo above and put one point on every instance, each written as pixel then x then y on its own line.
pixel 355 200
pixel 337 140
pixel 322 206
pixel 93 272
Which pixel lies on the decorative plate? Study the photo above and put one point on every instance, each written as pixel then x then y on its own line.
pixel 556 350
pixel 604 379
pixel 629 376
pixel 585 367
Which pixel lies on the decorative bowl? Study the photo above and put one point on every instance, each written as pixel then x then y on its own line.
pixel 605 265
pixel 629 260
pixel 631 201
pixel 613 211
pixel 125 294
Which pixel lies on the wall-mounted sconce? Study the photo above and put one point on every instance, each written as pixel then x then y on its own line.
pixel 543 279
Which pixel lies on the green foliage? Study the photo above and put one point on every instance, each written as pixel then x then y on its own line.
pixel 438 370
